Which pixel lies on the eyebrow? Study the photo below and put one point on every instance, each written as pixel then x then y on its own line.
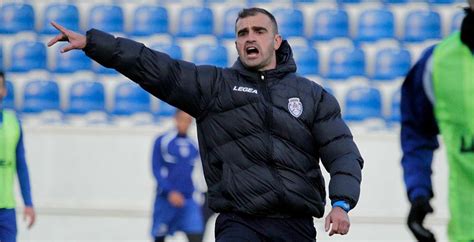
pixel 255 28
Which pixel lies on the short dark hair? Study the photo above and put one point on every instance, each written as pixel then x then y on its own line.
pixel 247 12
pixel 2 77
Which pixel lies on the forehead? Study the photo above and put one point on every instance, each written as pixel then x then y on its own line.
pixel 258 20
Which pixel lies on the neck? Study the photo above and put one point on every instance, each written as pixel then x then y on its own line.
pixel 467 29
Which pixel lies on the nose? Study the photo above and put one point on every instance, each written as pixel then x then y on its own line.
pixel 251 37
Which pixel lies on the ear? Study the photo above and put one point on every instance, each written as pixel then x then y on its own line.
pixel 277 42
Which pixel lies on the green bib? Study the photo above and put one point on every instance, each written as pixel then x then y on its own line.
pixel 453 82
pixel 9 137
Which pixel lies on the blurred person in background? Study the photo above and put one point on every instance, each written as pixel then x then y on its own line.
pixel 174 158
pixel 262 130
pixel 12 162
pixel 437 98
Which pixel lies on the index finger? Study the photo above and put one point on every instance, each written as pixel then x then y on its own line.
pixel 56 39
pixel 59 27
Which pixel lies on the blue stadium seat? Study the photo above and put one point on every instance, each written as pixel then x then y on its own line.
pixel 66 15
pixel 253 2
pixel 440 1
pixel 100 69
pixel 422 25
pixel 346 62
pixel 9 100
pixel 375 24
pixel 362 103
pixel 395 1
pixel 348 1
pixel 391 63
pixel 172 50
pixel 85 96
pixel 165 110
pixel 108 18
pixel 329 24
pixel 148 20
pixel 457 21
pixel 228 28
pixel 395 115
pixel 28 55
pixel 16 17
pixel 195 21
pixel 290 22
pixel 71 61
pixel 307 60
pixel 130 98
pixel 210 55
pixel 40 96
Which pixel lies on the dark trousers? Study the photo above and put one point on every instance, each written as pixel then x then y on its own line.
pixel 232 227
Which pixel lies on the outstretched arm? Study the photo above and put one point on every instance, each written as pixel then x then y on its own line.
pixel 179 83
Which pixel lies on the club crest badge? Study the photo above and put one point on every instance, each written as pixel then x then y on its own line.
pixel 295 107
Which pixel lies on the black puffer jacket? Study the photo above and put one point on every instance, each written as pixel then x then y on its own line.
pixel 259 157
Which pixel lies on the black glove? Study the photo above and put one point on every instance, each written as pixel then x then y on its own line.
pixel 419 209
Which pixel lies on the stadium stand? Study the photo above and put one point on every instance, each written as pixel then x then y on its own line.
pixel 329 24
pixel 172 50
pixel 346 62
pixel 16 17
pixel 27 56
pixel 195 21
pixel 71 61
pixel 210 55
pixel 108 18
pixel 290 22
pixel 129 98
pixel 391 63
pixel 65 14
pixel 203 33
pixel 375 24
pixel 40 95
pixel 149 20
pixel 307 61
pixel 362 103
pixel 85 96
pixel 422 25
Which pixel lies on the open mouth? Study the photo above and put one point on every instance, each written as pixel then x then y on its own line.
pixel 251 51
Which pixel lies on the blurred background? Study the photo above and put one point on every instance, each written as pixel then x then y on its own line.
pixel 89 131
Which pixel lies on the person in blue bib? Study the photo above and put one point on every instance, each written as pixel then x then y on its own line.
pixel 174 158
pixel 437 99
pixel 12 162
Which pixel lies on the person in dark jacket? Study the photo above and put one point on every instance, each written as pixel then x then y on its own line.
pixel 436 99
pixel 262 130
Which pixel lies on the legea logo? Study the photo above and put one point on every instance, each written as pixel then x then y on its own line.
pixel 245 89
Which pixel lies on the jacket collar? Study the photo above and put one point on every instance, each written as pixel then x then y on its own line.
pixel 285 65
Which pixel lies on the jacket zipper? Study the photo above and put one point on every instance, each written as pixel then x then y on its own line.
pixel 268 125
